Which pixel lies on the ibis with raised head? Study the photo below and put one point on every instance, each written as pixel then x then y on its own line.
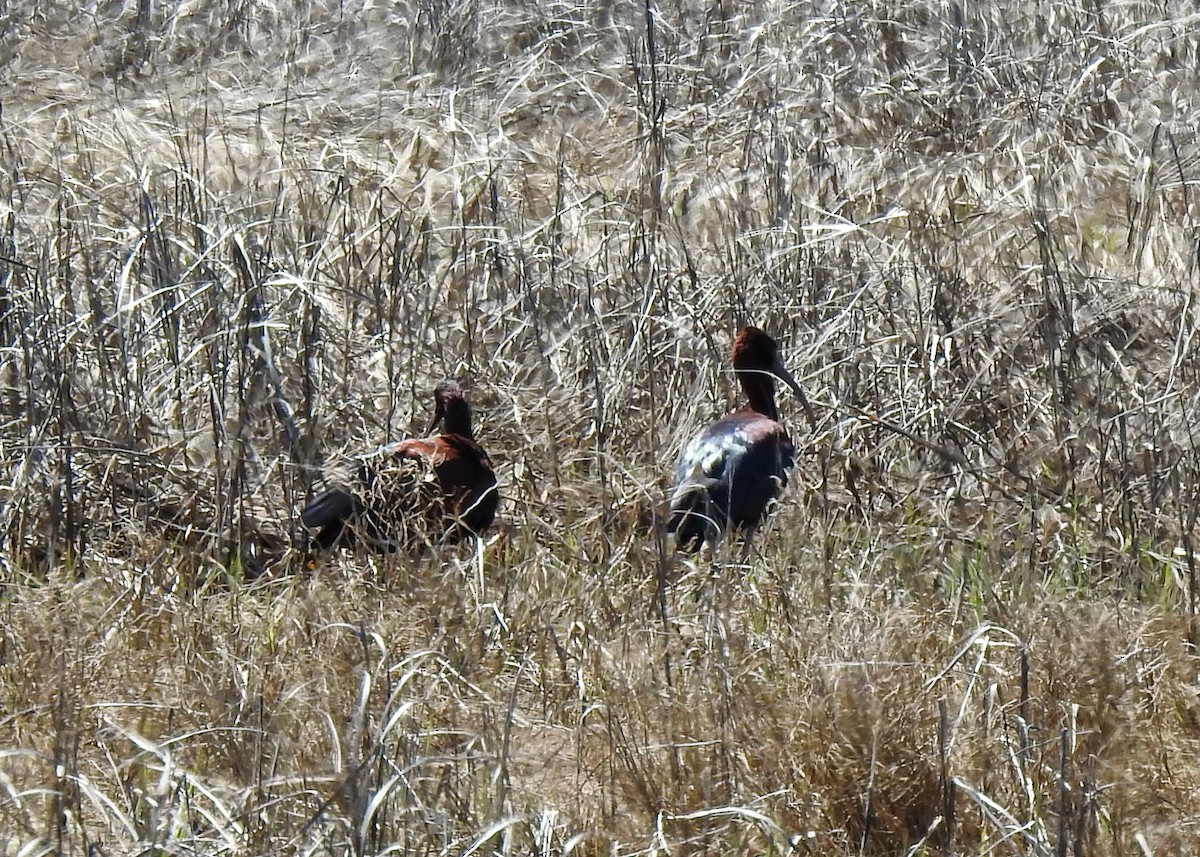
pixel 401 496
pixel 733 470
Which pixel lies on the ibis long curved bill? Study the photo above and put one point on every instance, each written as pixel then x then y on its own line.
pixel 781 372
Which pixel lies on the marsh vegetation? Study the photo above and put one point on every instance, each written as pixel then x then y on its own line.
pixel 241 239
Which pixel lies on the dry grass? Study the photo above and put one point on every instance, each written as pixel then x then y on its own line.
pixel 240 240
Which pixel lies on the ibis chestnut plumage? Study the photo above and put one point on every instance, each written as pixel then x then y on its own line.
pixel 732 471
pixel 436 489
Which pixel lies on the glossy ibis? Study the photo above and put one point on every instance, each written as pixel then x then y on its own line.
pixel 731 472
pixel 403 495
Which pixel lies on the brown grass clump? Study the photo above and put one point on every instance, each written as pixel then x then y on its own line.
pixel 242 239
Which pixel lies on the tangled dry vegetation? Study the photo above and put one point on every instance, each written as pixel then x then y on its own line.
pixel 242 239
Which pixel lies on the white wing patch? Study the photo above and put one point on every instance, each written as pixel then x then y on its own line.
pixel 711 453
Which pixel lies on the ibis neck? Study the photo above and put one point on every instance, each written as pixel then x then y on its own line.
pixel 457 418
pixel 760 393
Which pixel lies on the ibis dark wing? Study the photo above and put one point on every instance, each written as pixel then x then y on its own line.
pixel 728 476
